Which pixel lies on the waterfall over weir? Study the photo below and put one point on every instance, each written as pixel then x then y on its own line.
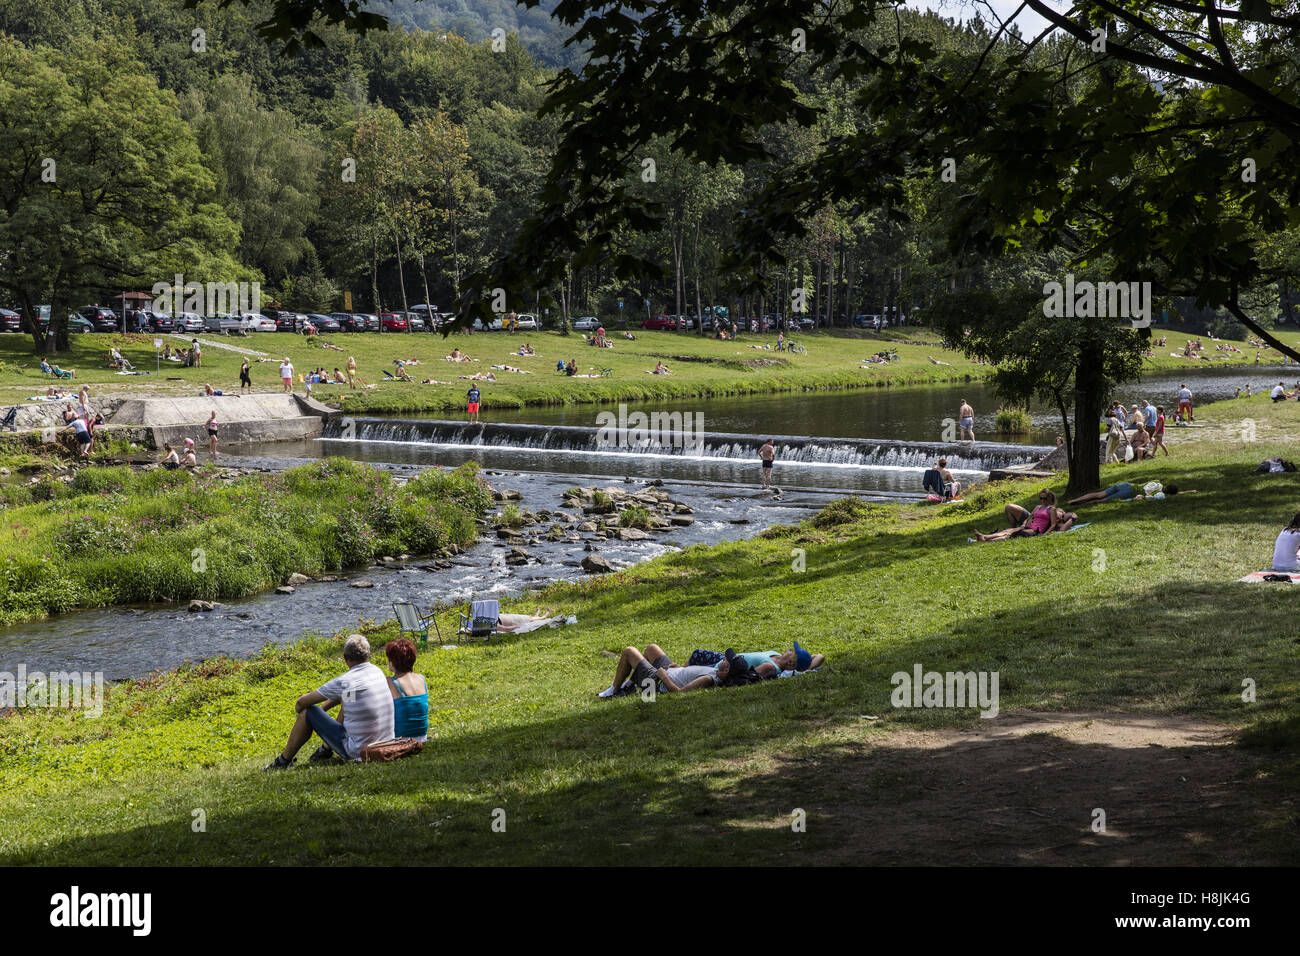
pixel 859 452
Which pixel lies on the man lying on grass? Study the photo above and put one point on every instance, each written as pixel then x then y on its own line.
pixel 366 718
pixel 1124 492
pixel 635 668
pixel 765 664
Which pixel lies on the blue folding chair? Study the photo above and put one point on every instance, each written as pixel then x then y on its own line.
pixel 481 619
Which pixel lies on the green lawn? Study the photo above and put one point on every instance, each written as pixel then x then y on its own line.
pixel 1137 614
pixel 700 366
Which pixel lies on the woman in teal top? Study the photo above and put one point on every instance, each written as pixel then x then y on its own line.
pixel 410 692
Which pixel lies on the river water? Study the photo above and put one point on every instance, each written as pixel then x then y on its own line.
pixel 874 459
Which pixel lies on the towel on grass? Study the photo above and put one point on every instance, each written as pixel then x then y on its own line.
pixel 1259 576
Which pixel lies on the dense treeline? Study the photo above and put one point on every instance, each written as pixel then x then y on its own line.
pixel 393 165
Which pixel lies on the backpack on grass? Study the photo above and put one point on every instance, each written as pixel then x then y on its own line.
pixel 387 750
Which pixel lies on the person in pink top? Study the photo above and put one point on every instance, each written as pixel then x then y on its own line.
pixel 1027 524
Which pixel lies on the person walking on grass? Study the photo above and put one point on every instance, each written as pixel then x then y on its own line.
pixel 1115 434
pixel 767 454
pixel 245 379
pixel 1185 403
pixel 472 397
pixel 212 435
pixel 1158 435
pixel 966 419
pixel 365 718
pixel 197 351
pixel 286 375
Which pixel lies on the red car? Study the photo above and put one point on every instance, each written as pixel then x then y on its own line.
pixel 391 322
pixel 665 323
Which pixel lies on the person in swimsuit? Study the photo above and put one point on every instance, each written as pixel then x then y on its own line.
pixel 768 454
pixel 1026 524
pixel 966 419
pixel 1158 436
pixel 212 434
pixel 245 380
pixel 352 371
pixel 173 460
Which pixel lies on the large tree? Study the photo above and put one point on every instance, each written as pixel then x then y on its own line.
pixel 101 183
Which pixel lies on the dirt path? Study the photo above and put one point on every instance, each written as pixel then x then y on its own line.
pixel 1023 789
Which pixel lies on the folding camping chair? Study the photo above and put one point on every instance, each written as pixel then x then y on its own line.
pixel 605 372
pixel 409 621
pixel 481 621
pixel 10 420
pixel 388 376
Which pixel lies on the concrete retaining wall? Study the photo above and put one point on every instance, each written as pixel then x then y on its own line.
pixel 240 418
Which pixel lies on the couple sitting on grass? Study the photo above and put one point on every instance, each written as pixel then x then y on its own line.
pixel 703 669
pixel 1044 519
pixel 374 708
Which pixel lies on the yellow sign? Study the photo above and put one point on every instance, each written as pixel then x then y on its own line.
pixel 347 301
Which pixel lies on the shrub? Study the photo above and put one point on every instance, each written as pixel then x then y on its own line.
pixel 355 540
pixel 509 517
pixel 1013 421
pixel 635 517
pixel 96 481
pixel 96 534
pixel 847 511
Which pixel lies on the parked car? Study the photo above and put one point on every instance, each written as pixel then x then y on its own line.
pixel 257 323
pixel 101 318
pixel 79 323
pixel 527 322
pixel 190 322
pixel 10 321
pixel 348 322
pixel 324 323
pixel 160 322
pixel 587 323
pixel 665 323
pixel 371 320
pixel 222 322
pixel 686 322
pixel 392 322
pixel 429 313
pixel 806 324
pixel 414 321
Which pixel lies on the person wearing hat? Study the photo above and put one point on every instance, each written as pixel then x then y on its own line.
pixel 190 459
pixel 635 668
pixel 767 663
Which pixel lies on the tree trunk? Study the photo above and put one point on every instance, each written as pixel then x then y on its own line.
pixel 1090 396
pixel 678 243
pixel 401 276
pixel 374 273
pixel 699 305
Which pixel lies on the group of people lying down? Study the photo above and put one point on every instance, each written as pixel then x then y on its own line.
pixel 1047 517
pixel 637 671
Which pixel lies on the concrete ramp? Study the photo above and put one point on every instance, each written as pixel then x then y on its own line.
pixel 240 418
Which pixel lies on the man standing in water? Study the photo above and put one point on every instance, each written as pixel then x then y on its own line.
pixel 768 454
pixel 472 397
pixel 966 419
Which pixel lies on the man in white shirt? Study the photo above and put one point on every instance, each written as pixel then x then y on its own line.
pixel 1279 393
pixel 365 718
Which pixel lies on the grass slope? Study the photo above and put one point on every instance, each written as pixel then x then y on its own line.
pixel 1137 614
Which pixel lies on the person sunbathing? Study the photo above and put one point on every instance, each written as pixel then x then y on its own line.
pixel 513 622
pixel 765 663
pixel 480 377
pixel 661 369
pixel 527 349
pixel 935 361
pixel 432 381
pixel 1286 549
pixel 1044 519
pixel 637 671
pixel 1124 492
pixel 457 356
pixel 403 374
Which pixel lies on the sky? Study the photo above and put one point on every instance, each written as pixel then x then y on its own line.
pixel 1031 24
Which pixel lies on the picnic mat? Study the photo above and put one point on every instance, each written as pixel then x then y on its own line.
pixel 1259 576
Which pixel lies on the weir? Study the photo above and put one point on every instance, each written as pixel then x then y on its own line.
pixel 860 452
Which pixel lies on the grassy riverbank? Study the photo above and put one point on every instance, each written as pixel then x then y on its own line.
pixel 112 535
pixel 700 366
pixel 1121 648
